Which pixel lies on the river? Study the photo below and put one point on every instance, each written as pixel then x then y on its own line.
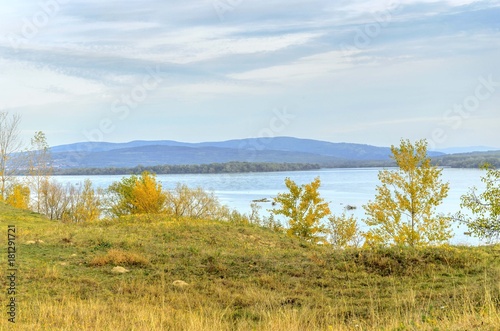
pixel 340 187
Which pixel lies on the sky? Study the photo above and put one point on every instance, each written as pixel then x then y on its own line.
pixel 370 72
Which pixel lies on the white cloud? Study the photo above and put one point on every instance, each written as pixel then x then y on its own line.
pixel 29 86
pixel 305 69
pixel 263 53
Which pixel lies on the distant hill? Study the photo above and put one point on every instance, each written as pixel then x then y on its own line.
pixel 177 155
pixel 275 150
pixel 168 152
pixel 287 144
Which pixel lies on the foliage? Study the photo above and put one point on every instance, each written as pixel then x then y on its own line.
pixel 304 209
pixel 254 218
pixel 209 168
pixel 85 203
pixel 147 195
pixel 403 210
pixel 193 203
pixel 137 195
pixel 469 160
pixel 485 207
pixel 343 231
pixel 54 199
pixel 19 196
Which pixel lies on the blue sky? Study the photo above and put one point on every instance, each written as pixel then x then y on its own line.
pixel 344 71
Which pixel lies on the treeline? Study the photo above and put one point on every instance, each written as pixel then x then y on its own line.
pixel 464 160
pixel 469 160
pixel 212 168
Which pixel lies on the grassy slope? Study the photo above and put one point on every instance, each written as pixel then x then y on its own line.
pixel 240 278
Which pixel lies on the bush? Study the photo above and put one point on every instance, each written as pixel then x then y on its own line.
pixel 193 203
pixel 137 195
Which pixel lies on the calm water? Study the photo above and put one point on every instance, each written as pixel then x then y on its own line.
pixel 340 187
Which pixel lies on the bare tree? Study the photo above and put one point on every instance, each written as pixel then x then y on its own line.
pixel 54 199
pixel 39 166
pixel 10 143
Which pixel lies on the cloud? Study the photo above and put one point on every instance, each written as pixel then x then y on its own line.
pixel 325 59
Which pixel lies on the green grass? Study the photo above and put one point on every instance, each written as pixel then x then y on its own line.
pixel 240 277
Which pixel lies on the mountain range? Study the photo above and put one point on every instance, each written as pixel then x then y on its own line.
pixel 169 152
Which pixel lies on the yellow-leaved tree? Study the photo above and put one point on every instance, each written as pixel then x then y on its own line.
pixel 403 212
pixel 148 195
pixel 304 209
pixel 484 221
pixel 343 231
pixel 19 196
pixel 137 195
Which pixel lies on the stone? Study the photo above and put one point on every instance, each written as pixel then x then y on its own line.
pixel 180 284
pixel 119 270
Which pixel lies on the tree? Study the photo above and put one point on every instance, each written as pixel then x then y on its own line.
pixel 304 209
pixel 54 199
pixel 148 195
pixel 19 196
pixel 485 207
pixel 84 203
pixel 343 231
pixel 10 143
pixel 403 210
pixel 39 165
pixel 193 203
pixel 137 195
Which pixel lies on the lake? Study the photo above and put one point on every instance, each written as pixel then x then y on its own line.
pixel 340 187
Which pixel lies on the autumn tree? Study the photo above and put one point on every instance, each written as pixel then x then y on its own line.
pixel 85 203
pixel 343 231
pixel 304 209
pixel 484 207
pixel 19 196
pixel 403 212
pixel 193 203
pixel 39 166
pixel 54 199
pixel 137 195
pixel 10 144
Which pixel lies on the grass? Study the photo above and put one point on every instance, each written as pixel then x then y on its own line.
pixel 240 278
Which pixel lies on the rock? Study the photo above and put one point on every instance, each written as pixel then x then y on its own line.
pixel 32 242
pixel 119 270
pixel 180 283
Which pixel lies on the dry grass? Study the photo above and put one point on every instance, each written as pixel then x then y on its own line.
pixel 119 257
pixel 117 314
pixel 240 278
